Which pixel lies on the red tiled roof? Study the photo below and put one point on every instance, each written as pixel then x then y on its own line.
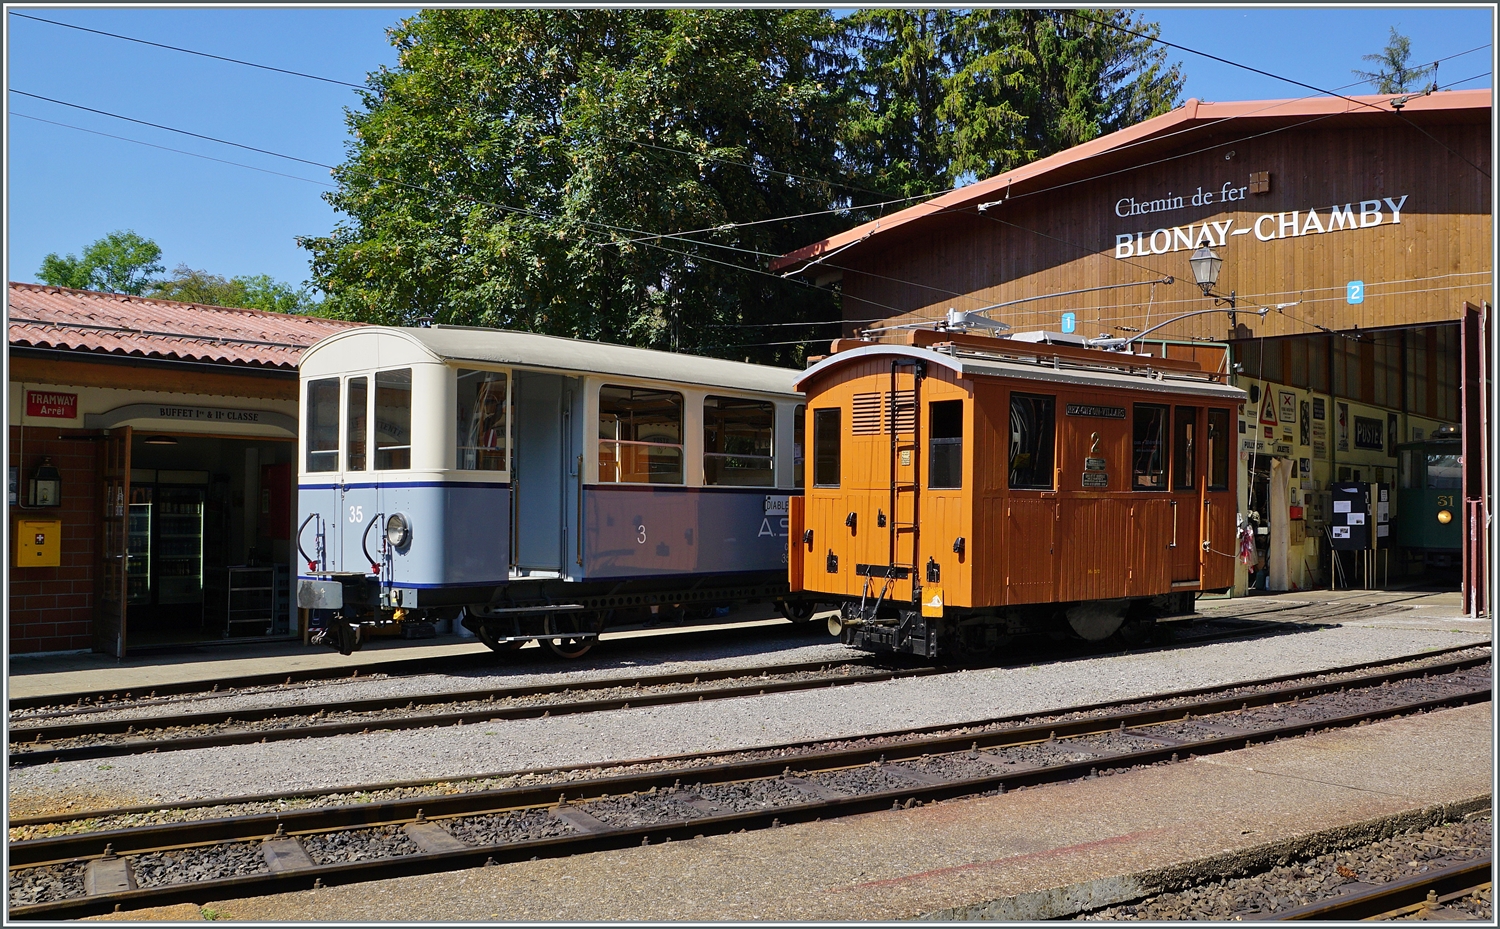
pixel 1191 114
pixel 41 316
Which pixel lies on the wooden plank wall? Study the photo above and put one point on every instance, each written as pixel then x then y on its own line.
pixel 1419 270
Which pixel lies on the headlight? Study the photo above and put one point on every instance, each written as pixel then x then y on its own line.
pixel 1445 517
pixel 397 530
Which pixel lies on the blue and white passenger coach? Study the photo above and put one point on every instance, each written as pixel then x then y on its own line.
pixel 544 485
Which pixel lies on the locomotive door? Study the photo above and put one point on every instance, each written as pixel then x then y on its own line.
pixel 1186 551
pixel 538 485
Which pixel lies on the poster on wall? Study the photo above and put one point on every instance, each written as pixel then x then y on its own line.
pixel 1305 424
pixel 1305 466
pixel 1318 408
pixel 1343 424
pixel 1390 434
pixel 1320 448
pixel 1287 412
pixel 1369 433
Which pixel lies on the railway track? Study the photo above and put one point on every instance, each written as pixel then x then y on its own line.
pixel 688 796
pixel 1424 896
pixel 39 744
pixel 80 734
pixel 54 706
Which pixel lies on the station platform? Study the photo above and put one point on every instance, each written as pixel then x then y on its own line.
pixel 1026 855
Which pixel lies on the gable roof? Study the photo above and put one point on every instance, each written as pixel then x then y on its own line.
pixel 1130 147
pixel 89 322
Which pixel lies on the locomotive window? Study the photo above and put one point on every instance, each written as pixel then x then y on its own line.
pixel 1218 449
pixel 1445 472
pixel 737 442
pixel 393 419
pixel 482 405
pixel 323 424
pixel 799 438
pixel 1406 469
pixel 1032 427
pixel 356 414
pixel 1149 469
pixel 945 428
pixel 1185 448
pixel 640 436
pixel 826 439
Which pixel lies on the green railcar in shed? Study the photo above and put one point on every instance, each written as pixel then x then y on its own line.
pixel 1429 500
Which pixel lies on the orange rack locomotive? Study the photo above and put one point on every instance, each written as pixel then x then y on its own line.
pixel 964 489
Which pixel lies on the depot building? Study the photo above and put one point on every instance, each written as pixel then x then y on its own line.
pixel 151 470
pixel 1349 277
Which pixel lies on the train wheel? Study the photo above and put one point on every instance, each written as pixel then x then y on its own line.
pixel 495 645
pixel 566 646
pixel 799 611
pixel 1096 620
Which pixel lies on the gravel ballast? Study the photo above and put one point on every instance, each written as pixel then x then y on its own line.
pixel 710 726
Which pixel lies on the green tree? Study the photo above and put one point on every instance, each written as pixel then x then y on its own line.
pixel 255 292
pixel 121 262
pixel 520 168
pixel 942 97
pixel 1394 76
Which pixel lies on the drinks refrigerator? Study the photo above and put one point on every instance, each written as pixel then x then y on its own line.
pixel 138 552
pixel 177 556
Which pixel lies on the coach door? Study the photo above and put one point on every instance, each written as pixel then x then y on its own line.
pixel 1186 552
pixel 540 471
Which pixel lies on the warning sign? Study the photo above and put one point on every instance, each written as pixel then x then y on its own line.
pixel 1267 409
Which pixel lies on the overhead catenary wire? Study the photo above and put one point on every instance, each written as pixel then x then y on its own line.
pixel 881 204
pixel 367 88
pixel 645 237
pixel 1279 77
pixel 189 51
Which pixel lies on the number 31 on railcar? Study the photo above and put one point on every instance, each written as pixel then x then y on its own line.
pixel 547 487
pixel 964 489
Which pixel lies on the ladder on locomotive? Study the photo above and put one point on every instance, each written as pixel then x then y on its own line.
pixel 903 419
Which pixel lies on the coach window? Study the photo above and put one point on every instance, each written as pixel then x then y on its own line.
pixel 1185 448
pixel 945 430
pixel 482 406
pixel 737 442
pixel 1150 447
pixel 323 424
pixel 826 452
pixel 356 424
pixel 799 438
pixel 393 419
pixel 1218 449
pixel 640 436
pixel 1032 427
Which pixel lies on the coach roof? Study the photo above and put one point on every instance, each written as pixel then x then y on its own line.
pixel 1075 375
pixel 505 347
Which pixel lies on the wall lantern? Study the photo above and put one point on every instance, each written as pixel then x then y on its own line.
pixel 1206 264
pixel 46 485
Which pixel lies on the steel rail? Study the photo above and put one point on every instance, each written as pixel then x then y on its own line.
pixel 424 665
pixel 140 838
pixel 615 838
pixel 463 718
pixel 89 727
pixel 1378 902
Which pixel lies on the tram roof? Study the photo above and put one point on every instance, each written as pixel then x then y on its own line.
pixel 1078 375
pixel 505 347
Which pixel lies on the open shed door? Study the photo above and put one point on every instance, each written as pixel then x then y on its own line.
pixel 1475 377
pixel 113 468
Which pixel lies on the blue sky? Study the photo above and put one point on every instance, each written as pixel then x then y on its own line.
pixel 66 188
